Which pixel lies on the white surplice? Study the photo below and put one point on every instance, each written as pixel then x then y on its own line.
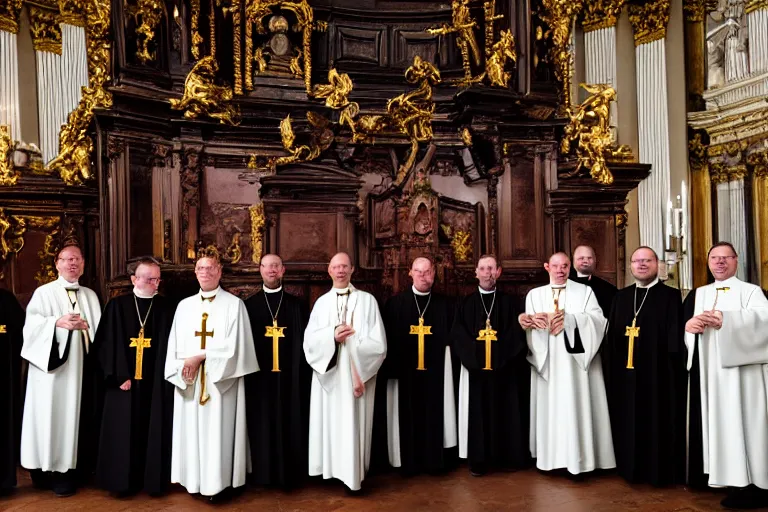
pixel 570 425
pixel 210 442
pixel 340 425
pixel 51 423
pixel 733 369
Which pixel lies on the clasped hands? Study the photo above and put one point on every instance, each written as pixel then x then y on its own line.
pixel 72 322
pixel 189 371
pixel 554 322
pixel 697 324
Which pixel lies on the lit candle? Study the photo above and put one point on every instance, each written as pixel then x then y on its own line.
pixel 669 221
pixel 677 219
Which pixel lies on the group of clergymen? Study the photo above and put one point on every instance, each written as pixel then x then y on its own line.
pixel 224 392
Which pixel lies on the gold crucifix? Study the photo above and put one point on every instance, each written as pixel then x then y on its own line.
pixel 3 329
pixel 632 332
pixel 140 343
pixel 203 334
pixel 420 330
pixel 275 332
pixel 487 335
pixel 717 294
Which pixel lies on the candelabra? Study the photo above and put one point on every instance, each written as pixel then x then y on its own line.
pixel 676 241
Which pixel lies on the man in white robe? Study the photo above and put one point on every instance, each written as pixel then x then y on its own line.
pixel 210 350
pixel 345 344
pixel 728 334
pixel 62 318
pixel 570 425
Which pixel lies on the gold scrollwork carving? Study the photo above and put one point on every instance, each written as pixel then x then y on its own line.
pixel 73 12
pixel 45 29
pixel 336 92
pixel 197 39
pixel 559 15
pixel 649 21
pixel 463 25
pixel 590 126
pixel 722 173
pixel 202 97
pixel 322 137
pixel 621 220
pixel 9 16
pixel 461 243
pixel 501 51
pixel 12 228
pixel 233 252
pixel 754 5
pixel 696 10
pixel 759 162
pixel 150 12
pixel 8 174
pixel 601 14
pixel 697 153
pixel 73 161
pixel 257 231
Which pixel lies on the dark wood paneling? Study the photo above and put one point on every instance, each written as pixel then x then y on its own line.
pixel 362 44
pixel 598 232
pixel 307 238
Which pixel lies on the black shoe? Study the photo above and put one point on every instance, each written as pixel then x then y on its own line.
pixel 64 491
pixel 746 498
pixel 478 470
pixel 40 479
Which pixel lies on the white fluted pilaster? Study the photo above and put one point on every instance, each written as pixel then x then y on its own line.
pixel 74 65
pixel 600 60
pixel 732 221
pixel 9 83
pixel 757 21
pixel 653 130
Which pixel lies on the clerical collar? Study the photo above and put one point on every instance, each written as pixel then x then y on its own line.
pixel 271 290
pixel 343 291
pixel 579 274
pixel 141 294
pixel 67 285
pixel 557 286
pixel 417 292
pixel 652 283
pixel 486 292
pixel 727 282
pixel 210 294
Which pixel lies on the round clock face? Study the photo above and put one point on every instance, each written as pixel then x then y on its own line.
pixel 280 45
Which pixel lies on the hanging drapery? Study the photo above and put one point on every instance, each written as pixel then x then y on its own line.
pixel 9 83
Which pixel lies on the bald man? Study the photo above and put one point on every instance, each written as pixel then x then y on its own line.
pixel 277 397
pixel 570 427
pixel 583 271
pixel 345 344
pixel 420 406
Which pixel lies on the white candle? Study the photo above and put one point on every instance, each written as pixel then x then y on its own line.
pixel 668 231
pixel 677 219
pixel 684 194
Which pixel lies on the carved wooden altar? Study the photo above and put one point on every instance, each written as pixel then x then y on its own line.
pixel 294 127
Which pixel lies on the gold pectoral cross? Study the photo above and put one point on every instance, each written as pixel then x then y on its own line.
pixel 717 294
pixel 487 335
pixel 275 332
pixel 140 343
pixel 632 332
pixel 203 335
pixel 420 330
pixel 3 329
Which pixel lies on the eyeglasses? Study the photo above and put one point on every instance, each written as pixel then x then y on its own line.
pixel 152 280
pixel 642 262
pixel 71 260
pixel 718 259
pixel 201 270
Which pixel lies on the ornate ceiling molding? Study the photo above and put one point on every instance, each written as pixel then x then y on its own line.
pixel 649 21
pixel 601 14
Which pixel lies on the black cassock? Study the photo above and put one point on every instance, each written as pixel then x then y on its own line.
pixel 421 392
pixel 647 404
pixel 498 398
pixel 137 425
pixel 604 291
pixel 11 339
pixel 277 403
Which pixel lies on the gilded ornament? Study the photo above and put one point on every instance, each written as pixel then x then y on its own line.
pixel 257 231
pixel 754 5
pixel 321 139
pixel 9 15
pixel 461 243
pixel 258 58
pixel 73 12
pixel 12 228
pixel 336 91
pixel 501 51
pixel 697 153
pixel 202 97
pixel 234 9
pixel 75 145
pixel 489 7
pixel 197 39
pixel 649 21
pixel 621 220
pixel 463 25
pixel 8 174
pixel 234 253
pixel 560 15
pixel 212 30
pixel 590 128
pixel 148 14
pixel 45 29
pixel 601 14
pixel 466 137
pixel 296 68
pixel 759 162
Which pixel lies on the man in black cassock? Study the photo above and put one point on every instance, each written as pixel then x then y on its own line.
pixel 277 397
pixel 493 398
pixel 647 391
pixel 584 264
pixel 11 325
pixel 137 423
pixel 422 427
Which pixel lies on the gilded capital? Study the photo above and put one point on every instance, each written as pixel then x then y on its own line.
pixel 649 21
pixel 73 12
pixel 755 5
pixel 45 29
pixel 697 152
pixel 759 163
pixel 599 14
pixel 696 10
pixel 9 15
